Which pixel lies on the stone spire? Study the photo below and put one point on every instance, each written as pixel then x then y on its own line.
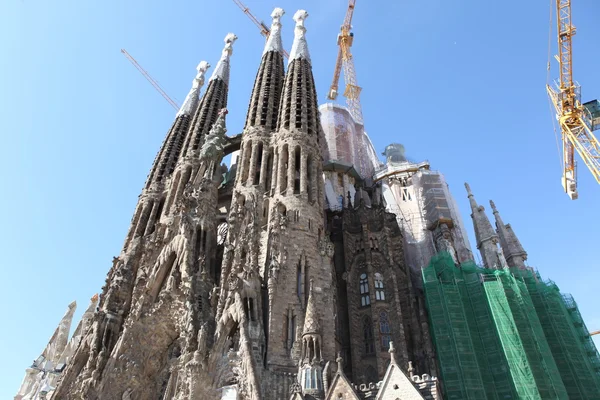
pixel 274 39
pixel 168 154
pixel 214 100
pixel 193 98
pixel 312 353
pixel 511 246
pixel 59 340
pixel 487 240
pixel 299 47
pixel 266 94
pixel 299 83
pixel 222 69
pixel 312 324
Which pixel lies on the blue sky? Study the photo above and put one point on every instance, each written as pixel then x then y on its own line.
pixel 459 83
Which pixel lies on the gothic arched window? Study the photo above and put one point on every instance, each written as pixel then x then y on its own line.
pixel 379 293
pixel 384 331
pixel 368 336
pixel 365 299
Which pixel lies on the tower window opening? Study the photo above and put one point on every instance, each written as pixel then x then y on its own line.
pixel 384 331
pixel 365 299
pixel 379 292
pixel 406 194
pixel 269 172
pixel 309 178
pixel 369 346
pixel 299 280
pixel 284 160
pixel 249 309
pixel 292 332
pixel 246 154
pixel 297 162
pixel 258 165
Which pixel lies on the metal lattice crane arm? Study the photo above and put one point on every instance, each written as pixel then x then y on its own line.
pixel 149 78
pixel 577 121
pixel 345 60
pixel 264 29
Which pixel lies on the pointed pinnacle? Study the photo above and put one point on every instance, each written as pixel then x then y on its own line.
pixel 493 205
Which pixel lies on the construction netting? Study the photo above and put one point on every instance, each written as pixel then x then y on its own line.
pixel 345 138
pixel 503 334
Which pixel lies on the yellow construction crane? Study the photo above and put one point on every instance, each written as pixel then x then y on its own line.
pixel 577 121
pixel 264 29
pixel 344 59
pixel 149 78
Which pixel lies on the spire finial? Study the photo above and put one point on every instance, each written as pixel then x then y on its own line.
pixel 299 47
pixel 468 187
pixel 392 351
pixel 311 285
pixel 410 369
pixel 340 361
pixel 493 205
pixel 274 39
pixel 192 99
pixel 222 68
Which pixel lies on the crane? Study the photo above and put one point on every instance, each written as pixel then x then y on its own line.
pixel 149 78
pixel 344 59
pixel 595 333
pixel 577 121
pixel 264 29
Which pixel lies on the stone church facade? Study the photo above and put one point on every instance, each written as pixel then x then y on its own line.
pixel 241 283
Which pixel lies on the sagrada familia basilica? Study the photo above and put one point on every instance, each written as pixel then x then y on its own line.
pixel 294 273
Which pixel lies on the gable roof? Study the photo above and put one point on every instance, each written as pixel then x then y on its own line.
pixel 396 385
pixel 341 385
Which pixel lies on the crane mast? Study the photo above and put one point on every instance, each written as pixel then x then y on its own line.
pixel 577 121
pixel 264 29
pixel 149 78
pixel 345 60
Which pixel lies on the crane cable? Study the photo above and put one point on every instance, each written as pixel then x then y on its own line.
pixel 550 106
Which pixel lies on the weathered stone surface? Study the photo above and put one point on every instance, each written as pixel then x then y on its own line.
pixel 231 285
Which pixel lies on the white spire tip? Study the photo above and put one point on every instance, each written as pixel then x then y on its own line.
pixel 299 17
pixel 277 14
pixel 203 66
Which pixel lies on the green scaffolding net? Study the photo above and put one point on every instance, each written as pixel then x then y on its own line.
pixel 503 334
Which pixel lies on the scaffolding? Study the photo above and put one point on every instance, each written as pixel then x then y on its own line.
pixel 573 350
pixel 503 334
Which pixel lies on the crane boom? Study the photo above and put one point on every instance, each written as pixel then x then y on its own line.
pixel 345 60
pixel 577 121
pixel 264 29
pixel 149 78
pixel 595 333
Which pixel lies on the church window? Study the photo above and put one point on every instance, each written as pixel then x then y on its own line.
pixel 379 293
pixel 309 178
pixel 368 336
pixel 406 194
pixel 297 161
pixel 269 176
pixel 283 167
pixel 258 164
pixel 365 299
pixel 299 280
pixel 384 330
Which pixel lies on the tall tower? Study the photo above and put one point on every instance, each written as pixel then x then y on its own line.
pixel 154 319
pixel 487 239
pixel 511 246
pixel 240 313
pixel 296 215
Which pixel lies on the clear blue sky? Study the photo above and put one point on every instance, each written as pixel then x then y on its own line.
pixel 459 83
